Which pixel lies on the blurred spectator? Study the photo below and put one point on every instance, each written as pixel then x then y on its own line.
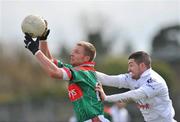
pixel 73 118
pixel 119 113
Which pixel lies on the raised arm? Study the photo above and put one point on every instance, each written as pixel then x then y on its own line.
pixel 49 66
pixel 43 44
pixel 45 62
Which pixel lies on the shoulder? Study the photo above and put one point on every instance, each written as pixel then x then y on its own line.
pixel 153 87
pixel 155 77
pixel 155 82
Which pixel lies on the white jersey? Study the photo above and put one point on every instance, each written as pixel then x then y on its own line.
pixel 150 92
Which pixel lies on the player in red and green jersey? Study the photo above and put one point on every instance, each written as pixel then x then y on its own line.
pixel 80 74
pixel 82 82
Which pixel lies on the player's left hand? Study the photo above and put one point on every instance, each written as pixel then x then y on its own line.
pixel 101 91
pixel 32 45
pixel 44 36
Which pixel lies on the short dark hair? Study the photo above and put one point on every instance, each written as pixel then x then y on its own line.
pixel 141 57
pixel 89 48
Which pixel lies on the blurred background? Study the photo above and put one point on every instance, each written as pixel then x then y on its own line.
pixel 116 28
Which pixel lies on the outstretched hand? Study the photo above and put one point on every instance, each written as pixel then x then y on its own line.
pixel 45 35
pixel 30 44
pixel 101 91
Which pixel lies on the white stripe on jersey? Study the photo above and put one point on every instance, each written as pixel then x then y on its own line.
pixel 65 75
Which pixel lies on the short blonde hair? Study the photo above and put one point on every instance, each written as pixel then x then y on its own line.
pixel 89 48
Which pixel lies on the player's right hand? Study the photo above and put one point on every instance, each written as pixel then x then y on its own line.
pixel 44 36
pixel 30 44
pixel 101 91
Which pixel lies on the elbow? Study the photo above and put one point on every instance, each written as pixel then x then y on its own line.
pixel 51 74
pixel 55 74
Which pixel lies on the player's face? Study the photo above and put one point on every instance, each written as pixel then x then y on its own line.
pixel 77 56
pixel 134 69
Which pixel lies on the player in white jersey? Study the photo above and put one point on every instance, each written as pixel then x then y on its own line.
pixel 147 88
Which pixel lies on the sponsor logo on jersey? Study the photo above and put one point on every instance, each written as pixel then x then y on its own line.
pixel 74 92
pixel 143 106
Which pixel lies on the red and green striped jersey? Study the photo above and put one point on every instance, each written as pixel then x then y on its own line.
pixel 81 90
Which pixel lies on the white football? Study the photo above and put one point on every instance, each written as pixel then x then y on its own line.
pixel 33 25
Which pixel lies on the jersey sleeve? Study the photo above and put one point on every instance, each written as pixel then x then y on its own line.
pixel 66 69
pixel 60 64
pixel 126 96
pixel 67 75
pixel 75 75
pixel 120 81
pixel 153 88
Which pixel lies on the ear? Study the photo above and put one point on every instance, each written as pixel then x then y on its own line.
pixel 143 66
pixel 86 58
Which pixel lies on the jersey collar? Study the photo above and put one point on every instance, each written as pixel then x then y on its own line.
pixel 89 64
pixel 145 73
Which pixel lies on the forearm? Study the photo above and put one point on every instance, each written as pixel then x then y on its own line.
pixel 127 96
pixel 112 80
pixel 48 66
pixel 107 80
pixel 43 46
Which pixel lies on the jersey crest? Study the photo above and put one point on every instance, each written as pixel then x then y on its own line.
pixel 149 83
